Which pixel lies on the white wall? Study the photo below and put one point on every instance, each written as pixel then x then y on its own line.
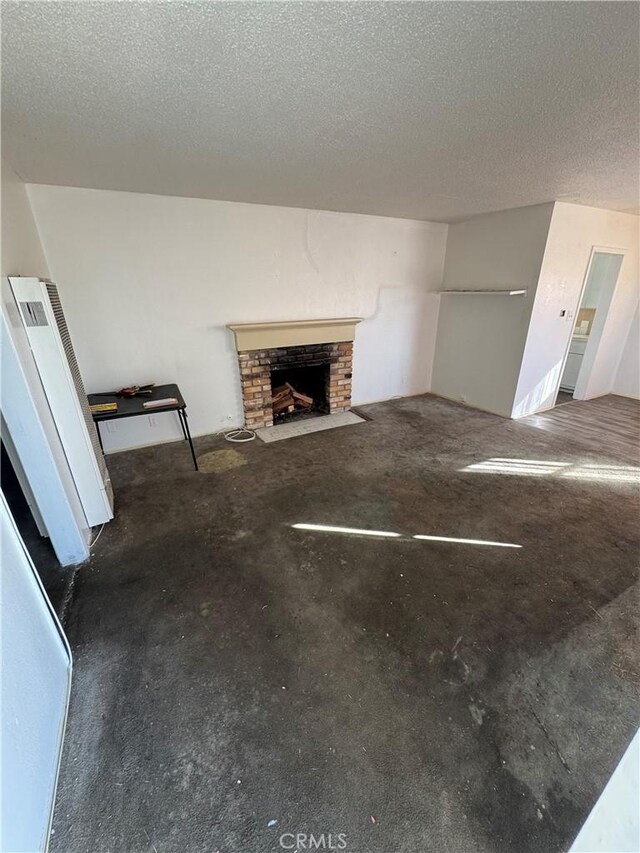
pixel 36 676
pixel 148 284
pixel 614 822
pixel 20 250
pixel 573 234
pixel 481 338
pixel 627 381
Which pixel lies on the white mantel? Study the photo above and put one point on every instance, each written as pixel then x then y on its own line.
pixel 254 336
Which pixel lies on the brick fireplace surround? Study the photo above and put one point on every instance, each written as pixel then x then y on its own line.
pixel 302 344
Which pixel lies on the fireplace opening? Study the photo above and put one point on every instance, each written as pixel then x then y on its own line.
pixel 299 392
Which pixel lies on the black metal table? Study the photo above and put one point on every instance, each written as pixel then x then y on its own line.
pixel 131 407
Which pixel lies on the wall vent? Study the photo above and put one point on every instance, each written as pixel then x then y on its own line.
pixel 65 337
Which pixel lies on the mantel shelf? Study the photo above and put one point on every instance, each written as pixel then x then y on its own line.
pixel 253 336
pixel 520 292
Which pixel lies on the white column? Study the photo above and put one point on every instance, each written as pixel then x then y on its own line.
pixel 26 416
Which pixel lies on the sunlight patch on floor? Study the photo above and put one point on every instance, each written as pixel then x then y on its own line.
pixel 543 468
pixel 359 531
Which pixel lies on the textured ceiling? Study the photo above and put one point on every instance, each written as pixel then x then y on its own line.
pixel 424 110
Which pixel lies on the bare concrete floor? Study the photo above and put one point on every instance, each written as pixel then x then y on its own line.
pixel 232 671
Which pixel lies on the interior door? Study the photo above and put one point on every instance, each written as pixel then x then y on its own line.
pixel 36 679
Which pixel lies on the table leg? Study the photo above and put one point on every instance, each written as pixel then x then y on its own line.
pixel 184 432
pixel 186 427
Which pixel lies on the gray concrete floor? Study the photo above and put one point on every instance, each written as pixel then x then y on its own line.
pixel 231 670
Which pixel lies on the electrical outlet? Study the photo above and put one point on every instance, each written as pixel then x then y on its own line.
pixel 153 421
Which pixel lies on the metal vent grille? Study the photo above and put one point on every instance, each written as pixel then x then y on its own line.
pixel 34 314
pixel 75 372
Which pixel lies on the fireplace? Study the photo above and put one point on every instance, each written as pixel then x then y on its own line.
pixel 297 370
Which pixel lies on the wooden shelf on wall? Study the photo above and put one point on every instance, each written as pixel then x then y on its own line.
pixel 521 292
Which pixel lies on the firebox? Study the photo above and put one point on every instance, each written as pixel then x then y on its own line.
pixel 295 382
pixel 299 391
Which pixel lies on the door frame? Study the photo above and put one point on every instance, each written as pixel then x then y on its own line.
pixel 595 250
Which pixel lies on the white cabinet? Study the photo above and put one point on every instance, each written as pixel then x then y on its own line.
pixel 574 361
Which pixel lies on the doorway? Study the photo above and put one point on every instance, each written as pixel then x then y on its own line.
pixel 54 577
pixel 597 295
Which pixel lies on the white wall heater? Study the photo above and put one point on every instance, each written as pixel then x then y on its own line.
pixel 41 313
